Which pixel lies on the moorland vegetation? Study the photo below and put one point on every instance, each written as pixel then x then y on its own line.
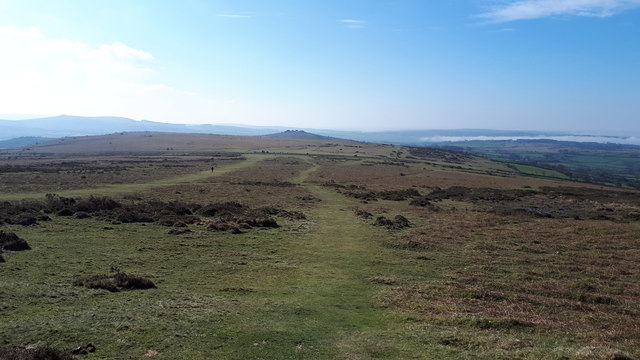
pixel 322 249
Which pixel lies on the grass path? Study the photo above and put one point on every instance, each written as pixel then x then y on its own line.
pixel 330 310
pixel 119 189
pixel 340 255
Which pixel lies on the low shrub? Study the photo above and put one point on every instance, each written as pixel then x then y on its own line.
pixel 398 223
pixel 130 216
pixel 39 353
pixel 11 241
pixel 363 214
pixel 81 215
pixel 94 204
pixel 65 212
pixel 21 219
pixel 218 209
pixel 115 282
pixel 398 195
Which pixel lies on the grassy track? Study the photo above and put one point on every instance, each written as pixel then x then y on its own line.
pixel 325 306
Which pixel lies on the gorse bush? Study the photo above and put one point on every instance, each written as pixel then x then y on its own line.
pixel 115 282
pixel 39 353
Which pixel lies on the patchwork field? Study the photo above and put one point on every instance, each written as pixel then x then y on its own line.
pixel 307 249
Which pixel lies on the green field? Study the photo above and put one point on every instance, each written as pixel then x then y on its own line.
pixel 605 164
pixel 536 171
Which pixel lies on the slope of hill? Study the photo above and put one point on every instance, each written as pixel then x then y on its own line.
pixel 606 164
pixel 165 142
pixel 299 135
pixel 66 125
pixel 23 141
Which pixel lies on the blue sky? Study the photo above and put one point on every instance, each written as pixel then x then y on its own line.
pixel 347 64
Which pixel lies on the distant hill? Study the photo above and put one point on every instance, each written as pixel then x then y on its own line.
pixel 299 135
pixel 181 143
pixel 66 125
pixel 23 141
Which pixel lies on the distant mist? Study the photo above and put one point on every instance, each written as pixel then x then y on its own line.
pixel 576 138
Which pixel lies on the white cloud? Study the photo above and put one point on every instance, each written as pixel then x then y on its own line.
pixel 46 76
pixel 121 51
pixel 28 33
pixel 55 76
pixel 354 24
pixel 534 9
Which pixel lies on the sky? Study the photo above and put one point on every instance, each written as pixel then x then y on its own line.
pixel 568 65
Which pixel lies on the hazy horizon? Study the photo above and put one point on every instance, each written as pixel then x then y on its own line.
pixel 564 65
pixel 66 126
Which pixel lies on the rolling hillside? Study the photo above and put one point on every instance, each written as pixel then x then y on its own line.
pixel 192 246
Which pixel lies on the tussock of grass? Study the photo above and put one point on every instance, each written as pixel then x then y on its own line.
pixel 11 241
pixel 39 353
pixel 116 282
pixel 398 223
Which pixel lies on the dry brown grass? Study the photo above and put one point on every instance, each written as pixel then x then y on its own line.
pixel 56 173
pixel 382 177
pixel 269 183
pixel 176 143
pixel 545 274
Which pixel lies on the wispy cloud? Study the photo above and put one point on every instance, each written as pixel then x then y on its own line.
pixel 535 9
pixel 235 15
pixel 354 24
pixel 503 30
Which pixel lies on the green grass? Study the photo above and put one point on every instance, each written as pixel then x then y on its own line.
pixel 601 164
pixel 329 287
pixel 536 171
pixel 267 293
